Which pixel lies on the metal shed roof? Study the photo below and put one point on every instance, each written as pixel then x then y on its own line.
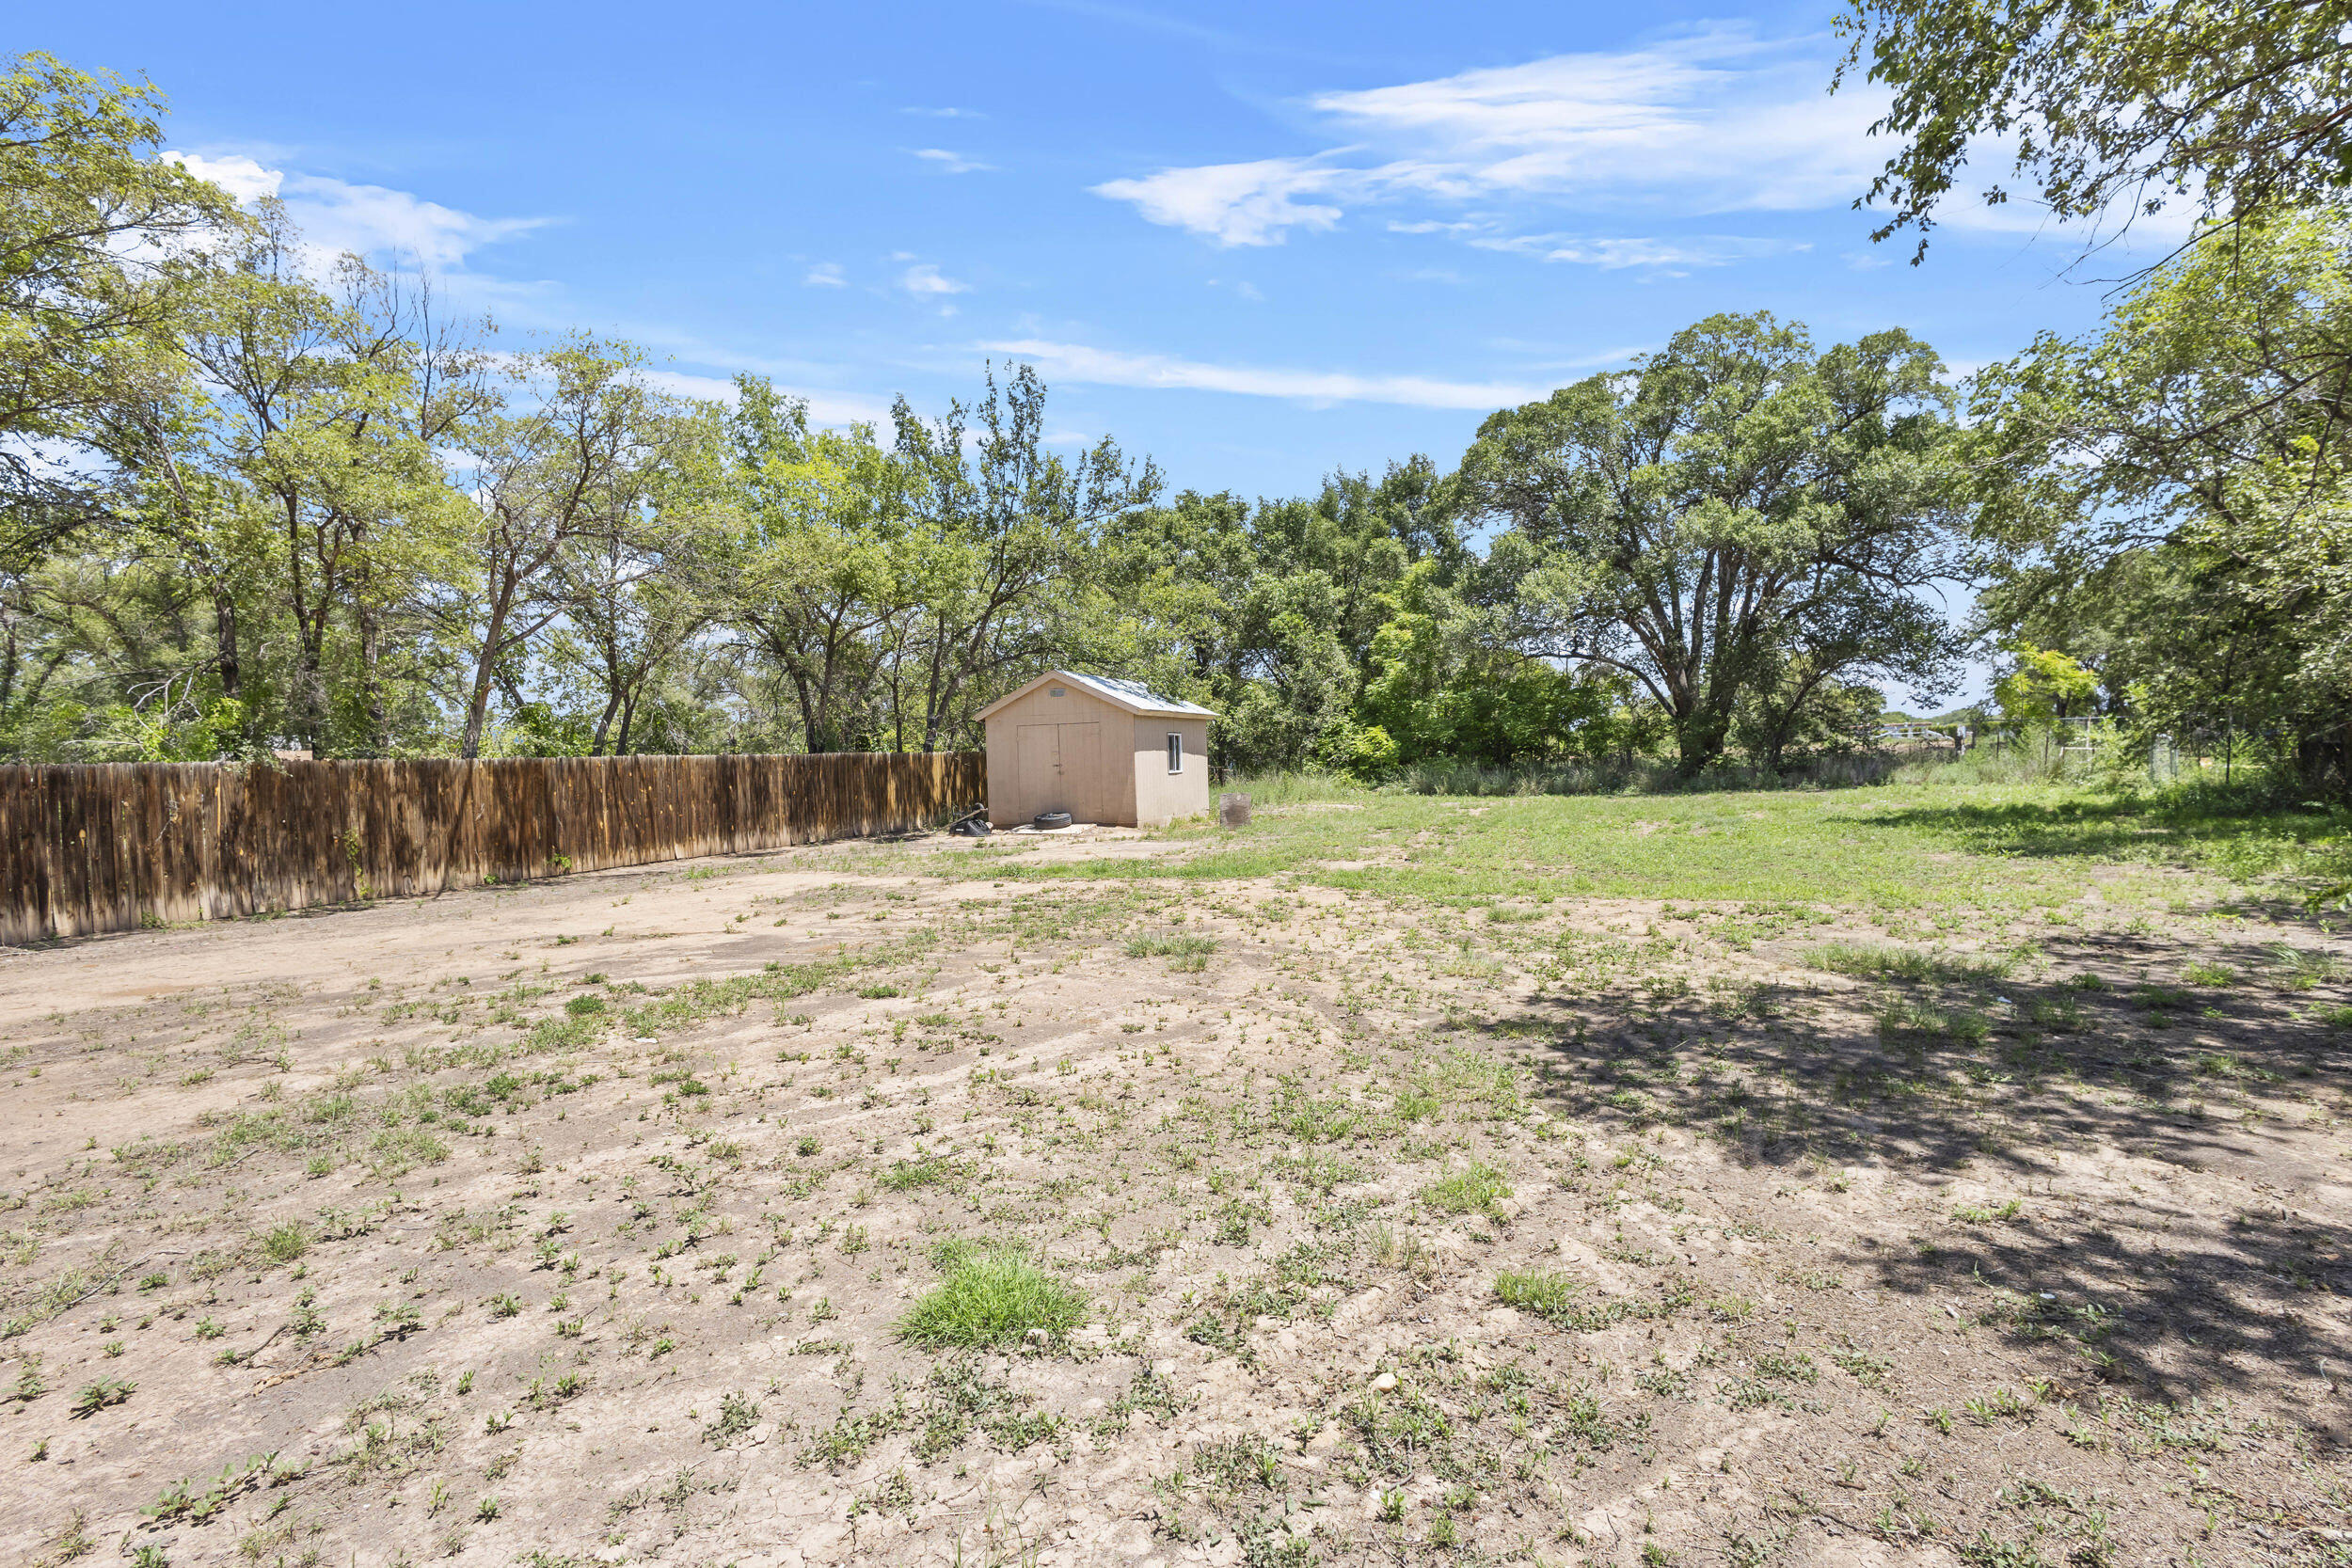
pixel 1134 696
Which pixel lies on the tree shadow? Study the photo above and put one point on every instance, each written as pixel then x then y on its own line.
pixel 2187 1281
pixel 2181 832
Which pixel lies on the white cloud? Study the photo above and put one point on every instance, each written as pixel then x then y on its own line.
pixel 826 275
pixel 942 113
pixel 952 162
pixel 1110 367
pixel 1714 122
pixel 1234 203
pixel 1710 123
pixel 832 409
pixel 924 280
pixel 371 221
pixel 1611 253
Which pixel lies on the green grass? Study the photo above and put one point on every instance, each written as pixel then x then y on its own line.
pixel 1170 947
pixel 1865 959
pixel 1477 1189
pixel 1545 1292
pixel 990 1299
pixel 1930 846
pixel 906 1175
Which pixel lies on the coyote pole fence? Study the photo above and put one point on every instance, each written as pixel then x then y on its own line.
pixel 117 845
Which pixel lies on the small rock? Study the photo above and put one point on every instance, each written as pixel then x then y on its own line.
pixel 1384 1382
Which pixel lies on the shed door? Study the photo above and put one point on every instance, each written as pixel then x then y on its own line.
pixel 1062 769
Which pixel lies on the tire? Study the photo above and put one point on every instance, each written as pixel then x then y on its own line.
pixel 1051 819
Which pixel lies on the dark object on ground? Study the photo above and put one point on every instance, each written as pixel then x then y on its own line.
pixel 1232 811
pixel 972 824
pixel 1051 819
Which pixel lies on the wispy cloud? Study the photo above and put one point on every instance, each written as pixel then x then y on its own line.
pixel 826 275
pixel 1111 368
pixel 1614 252
pixel 942 113
pixel 924 281
pixel 1714 122
pixel 830 408
pixel 951 163
pixel 371 221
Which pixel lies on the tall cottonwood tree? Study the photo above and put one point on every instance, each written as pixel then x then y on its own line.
pixel 102 243
pixel 1734 498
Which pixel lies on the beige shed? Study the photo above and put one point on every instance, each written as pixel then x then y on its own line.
pixel 1101 749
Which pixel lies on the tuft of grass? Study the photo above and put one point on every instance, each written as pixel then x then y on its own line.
pixel 286 1243
pixel 1171 948
pixel 906 1175
pixel 1477 1189
pixel 988 1299
pixel 1547 1293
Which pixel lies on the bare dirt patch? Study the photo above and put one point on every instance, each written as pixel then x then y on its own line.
pixel 610 1220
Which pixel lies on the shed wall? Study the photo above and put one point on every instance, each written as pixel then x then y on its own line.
pixel 1162 797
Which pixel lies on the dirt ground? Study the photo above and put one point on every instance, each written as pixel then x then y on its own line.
pixel 579 1223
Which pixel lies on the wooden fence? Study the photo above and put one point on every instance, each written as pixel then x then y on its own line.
pixel 116 847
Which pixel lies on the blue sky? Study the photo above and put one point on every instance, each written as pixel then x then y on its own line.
pixel 1258 242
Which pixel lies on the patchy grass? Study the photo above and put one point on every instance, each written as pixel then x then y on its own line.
pixel 1138 1196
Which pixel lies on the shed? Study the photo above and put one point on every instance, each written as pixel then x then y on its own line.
pixel 1104 750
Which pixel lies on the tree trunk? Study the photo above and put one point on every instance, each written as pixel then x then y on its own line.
pixel 483 671
pixel 611 703
pixel 1699 738
pixel 628 722
pixel 225 645
pixel 377 740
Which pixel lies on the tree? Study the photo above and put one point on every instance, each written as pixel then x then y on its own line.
pixel 2238 111
pixel 573 468
pixel 1005 528
pixel 2042 683
pixel 1730 503
pixel 2170 497
pixel 819 567
pixel 101 244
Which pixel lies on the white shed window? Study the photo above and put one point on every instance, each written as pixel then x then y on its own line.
pixel 1175 752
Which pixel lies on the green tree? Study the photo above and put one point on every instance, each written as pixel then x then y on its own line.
pixel 820 565
pixel 2237 110
pixel 2167 498
pixel 1733 500
pixel 1006 531
pixel 101 244
pixel 573 468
